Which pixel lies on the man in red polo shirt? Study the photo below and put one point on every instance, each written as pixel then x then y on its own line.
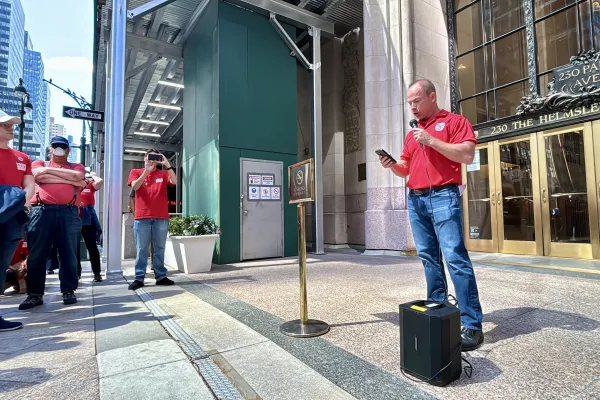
pixel 90 229
pixel 54 219
pixel 432 158
pixel 15 171
pixel 151 216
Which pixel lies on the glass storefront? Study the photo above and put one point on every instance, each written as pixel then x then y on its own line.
pixel 536 194
pixel 533 187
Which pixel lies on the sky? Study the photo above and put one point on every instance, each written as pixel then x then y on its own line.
pixel 62 30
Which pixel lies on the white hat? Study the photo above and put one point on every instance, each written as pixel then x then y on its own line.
pixel 4 117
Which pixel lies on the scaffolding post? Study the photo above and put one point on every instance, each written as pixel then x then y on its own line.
pixel 318 242
pixel 114 139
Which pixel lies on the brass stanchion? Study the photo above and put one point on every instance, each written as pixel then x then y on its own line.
pixel 303 327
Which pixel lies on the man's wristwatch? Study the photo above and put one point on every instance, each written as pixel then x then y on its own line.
pixel 171 168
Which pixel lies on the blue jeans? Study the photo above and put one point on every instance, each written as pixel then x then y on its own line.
pixel 11 233
pixel 147 230
pixel 436 222
pixel 49 225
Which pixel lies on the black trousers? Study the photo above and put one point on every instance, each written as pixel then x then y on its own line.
pixel 89 236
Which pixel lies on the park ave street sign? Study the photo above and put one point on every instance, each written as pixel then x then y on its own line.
pixel 80 113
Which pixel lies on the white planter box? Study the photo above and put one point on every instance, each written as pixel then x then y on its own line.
pixel 190 254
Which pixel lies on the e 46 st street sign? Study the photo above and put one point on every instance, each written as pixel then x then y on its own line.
pixel 81 113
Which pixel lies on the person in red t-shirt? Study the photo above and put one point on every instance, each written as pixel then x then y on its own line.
pixel 432 158
pixel 151 216
pixel 15 171
pixel 90 228
pixel 54 219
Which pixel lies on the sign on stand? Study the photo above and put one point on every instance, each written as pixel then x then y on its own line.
pixel 301 189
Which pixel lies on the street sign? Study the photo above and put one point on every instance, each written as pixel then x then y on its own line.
pixel 80 113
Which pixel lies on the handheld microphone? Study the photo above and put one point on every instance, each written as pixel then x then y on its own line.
pixel 414 124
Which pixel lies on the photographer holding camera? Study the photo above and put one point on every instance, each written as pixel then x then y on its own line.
pixel 151 215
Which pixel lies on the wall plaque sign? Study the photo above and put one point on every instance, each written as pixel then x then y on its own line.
pixel 574 85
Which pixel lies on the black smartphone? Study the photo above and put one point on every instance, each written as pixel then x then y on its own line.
pixel 155 157
pixel 384 153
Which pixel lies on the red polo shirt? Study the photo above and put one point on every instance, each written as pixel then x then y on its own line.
pixel 57 193
pixel 87 195
pixel 14 165
pixel 151 199
pixel 447 127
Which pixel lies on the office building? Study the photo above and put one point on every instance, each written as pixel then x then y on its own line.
pixel 18 62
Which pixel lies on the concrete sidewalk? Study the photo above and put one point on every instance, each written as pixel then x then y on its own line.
pixel 107 346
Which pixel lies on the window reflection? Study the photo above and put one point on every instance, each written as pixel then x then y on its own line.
pixel 558 38
pixel 517 191
pixel 468 28
pixel 567 188
pixel 478 193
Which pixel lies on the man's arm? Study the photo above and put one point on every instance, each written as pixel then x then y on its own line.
pixel 71 175
pixel 137 183
pixel 98 182
pixel 172 174
pixel 55 179
pixel 28 184
pixel 458 152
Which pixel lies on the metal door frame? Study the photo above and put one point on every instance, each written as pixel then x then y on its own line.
pixel 242 197
pixel 481 245
pixel 514 246
pixel 572 250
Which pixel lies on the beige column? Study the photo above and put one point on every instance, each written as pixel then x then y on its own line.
pixel 404 41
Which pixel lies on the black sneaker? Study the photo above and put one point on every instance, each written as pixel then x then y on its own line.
pixel 136 285
pixel 9 326
pixel 30 302
pixel 165 282
pixel 98 278
pixel 50 272
pixel 471 339
pixel 69 298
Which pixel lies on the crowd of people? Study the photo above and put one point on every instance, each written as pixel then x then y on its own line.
pixel 46 207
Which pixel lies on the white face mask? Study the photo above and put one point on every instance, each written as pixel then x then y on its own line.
pixel 59 152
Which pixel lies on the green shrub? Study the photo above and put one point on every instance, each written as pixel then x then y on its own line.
pixel 193 225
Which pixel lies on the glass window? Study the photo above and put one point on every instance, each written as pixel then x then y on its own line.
pixel 479 206
pixel 474 109
pixel 508 98
pixel 545 7
pixel 558 38
pixel 511 58
pixel 507 16
pixel 471 77
pixel 458 4
pixel 468 28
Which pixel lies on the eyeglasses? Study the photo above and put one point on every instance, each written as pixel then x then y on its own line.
pixel 62 146
pixel 9 127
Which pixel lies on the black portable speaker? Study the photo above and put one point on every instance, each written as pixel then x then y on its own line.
pixel 430 341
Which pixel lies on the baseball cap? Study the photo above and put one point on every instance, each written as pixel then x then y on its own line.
pixel 59 140
pixel 4 117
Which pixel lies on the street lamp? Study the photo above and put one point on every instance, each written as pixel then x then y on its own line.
pixel 26 107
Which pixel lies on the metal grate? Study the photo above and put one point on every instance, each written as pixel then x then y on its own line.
pixel 215 379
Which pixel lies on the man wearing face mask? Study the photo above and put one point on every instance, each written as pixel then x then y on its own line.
pixel 54 219
pixel 151 216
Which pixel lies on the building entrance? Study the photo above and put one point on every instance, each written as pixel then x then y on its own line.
pixel 536 194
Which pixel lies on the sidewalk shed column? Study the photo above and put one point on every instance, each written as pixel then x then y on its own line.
pixel 115 138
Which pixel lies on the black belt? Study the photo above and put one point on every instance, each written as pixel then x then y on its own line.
pixel 422 192
pixel 54 205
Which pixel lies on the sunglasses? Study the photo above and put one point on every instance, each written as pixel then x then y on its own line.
pixel 62 146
